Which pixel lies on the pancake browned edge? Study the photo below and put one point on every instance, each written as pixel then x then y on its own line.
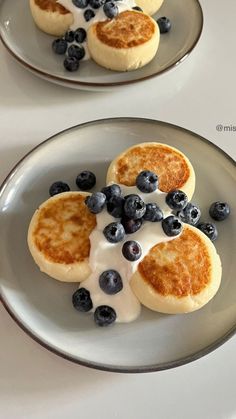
pixel 51 17
pixel 124 43
pixel 58 236
pixel 173 168
pixel 179 276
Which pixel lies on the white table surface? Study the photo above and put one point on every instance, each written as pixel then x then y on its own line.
pixel 197 95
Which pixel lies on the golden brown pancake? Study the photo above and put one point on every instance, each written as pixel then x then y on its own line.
pixel 124 43
pixel 51 17
pixel 180 275
pixel 59 236
pixel 173 168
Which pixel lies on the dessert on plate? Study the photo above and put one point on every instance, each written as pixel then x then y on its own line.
pixel 137 241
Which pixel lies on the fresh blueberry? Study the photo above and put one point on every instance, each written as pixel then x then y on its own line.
pixel 89 14
pixel 176 199
pixel 115 206
pixel 81 4
pixel 71 64
pixel 219 211
pixel 80 35
pixel 86 180
pixel 59 46
pixel 69 36
pixel 147 181
pixel 96 202
pixel 131 226
pixel 190 214
pixel 172 226
pixel 76 51
pixel 131 250
pixel 104 315
pixel 81 300
pixel 134 207
pixel 153 213
pixel 110 282
pixel 95 4
pixel 114 232
pixel 58 187
pixel 137 8
pixel 111 9
pixel 164 24
pixel 209 230
pixel 111 190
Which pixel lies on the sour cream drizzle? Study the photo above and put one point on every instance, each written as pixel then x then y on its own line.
pixel 105 255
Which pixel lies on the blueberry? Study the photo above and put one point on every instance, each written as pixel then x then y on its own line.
pixel 114 232
pixel 147 181
pixel 190 214
pixel 69 36
pixel 80 3
pixel 104 315
pixel 89 14
pixel 134 207
pixel 110 282
pixel 71 64
pixel 81 300
pixel 164 24
pixel 59 46
pixel 58 187
pixel 219 211
pixel 172 226
pixel 176 199
pixel 76 51
pixel 209 230
pixel 96 202
pixel 137 8
pixel 80 35
pixel 153 213
pixel 131 226
pixel 110 9
pixel 131 250
pixel 86 180
pixel 115 206
pixel 111 190
pixel 95 4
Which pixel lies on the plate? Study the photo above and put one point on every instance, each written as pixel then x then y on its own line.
pixel 32 48
pixel 42 306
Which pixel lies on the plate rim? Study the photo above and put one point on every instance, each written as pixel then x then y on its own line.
pixel 76 83
pixel 91 364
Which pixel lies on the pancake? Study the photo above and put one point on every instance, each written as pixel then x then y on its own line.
pixel 58 236
pixel 124 43
pixel 51 17
pixel 178 276
pixel 172 167
pixel 149 6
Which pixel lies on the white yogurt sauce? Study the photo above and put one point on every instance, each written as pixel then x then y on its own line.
pixel 105 255
pixel 80 22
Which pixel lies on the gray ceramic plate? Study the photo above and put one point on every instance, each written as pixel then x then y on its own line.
pixel 42 306
pixel 32 48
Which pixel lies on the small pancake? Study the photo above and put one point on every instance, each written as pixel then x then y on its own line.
pixel 149 6
pixel 58 236
pixel 172 167
pixel 51 17
pixel 178 276
pixel 124 43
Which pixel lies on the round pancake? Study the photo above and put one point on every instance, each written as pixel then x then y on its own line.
pixel 58 236
pixel 51 17
pixel 172 167
pixel 149 6
pixel 124 43
pixel 178 276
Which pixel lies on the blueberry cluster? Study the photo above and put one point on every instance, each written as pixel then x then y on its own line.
pixel 71 46
pixel 85 181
